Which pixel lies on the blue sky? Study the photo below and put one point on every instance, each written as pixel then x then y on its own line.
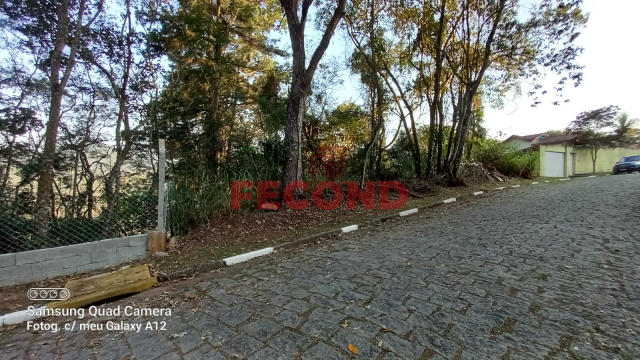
pixel 611 58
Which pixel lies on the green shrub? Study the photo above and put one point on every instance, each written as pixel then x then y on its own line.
pixel 136 212
pixel 195 199
pixel 506 159
pixel 199 193
pixel 69 231
pixel 15 233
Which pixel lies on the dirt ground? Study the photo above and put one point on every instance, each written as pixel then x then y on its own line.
pixel 245 231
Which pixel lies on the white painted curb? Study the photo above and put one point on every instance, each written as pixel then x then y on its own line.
pixel 247 256
pixel 501 188
pixel 449 200
pixel 592 176
pixel 515 186
pixel 349 228
pixel 547 181
pixel 18 317
pixel 534 183
pixel 409 212
pixel 564 179
pixel 478 193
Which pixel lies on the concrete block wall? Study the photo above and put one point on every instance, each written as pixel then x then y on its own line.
pixel 28 266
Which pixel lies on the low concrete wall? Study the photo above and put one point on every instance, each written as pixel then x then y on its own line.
pixel 583 165
pixel 28 266
pixel 605 159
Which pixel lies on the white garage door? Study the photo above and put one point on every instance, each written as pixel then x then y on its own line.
pixel 553 164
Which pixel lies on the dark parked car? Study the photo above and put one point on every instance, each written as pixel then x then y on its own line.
pixel 627 164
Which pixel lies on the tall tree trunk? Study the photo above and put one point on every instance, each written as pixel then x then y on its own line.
pixel 7 171
pixel 377 121
pixel 74 193
pixel 471 82
pixel 437 84
pixel 376 94
pixel 90 181
pixel 293 135
pixel 372 117
pixel 214 129
pixel 413 134
pixel 234 110
pixel 459 141
pixel 301 78
pixel 440 137
pixel 63 204
pixel 45 175
pixel 381 143
pixel 454 128
pixel 58 84
pixel 90 198
pixel 123 138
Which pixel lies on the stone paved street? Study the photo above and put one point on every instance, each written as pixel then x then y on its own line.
pixel 546 271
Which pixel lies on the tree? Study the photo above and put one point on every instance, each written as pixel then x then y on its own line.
pixel 624 125
pixel 201 74
pixel 455 55
pixel 319 104
pixel 56 28
pixel 494 48
pixel 296 13
pixel 555 132
pixel 19 90
pixel 82 137
pixel 113 55
pixel 428 24
pixel 596 129
pixel 365 31
pixel 216 50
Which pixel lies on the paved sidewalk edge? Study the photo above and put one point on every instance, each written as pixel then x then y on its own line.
pixel 218 264
pixel 247 256
pixel 20 316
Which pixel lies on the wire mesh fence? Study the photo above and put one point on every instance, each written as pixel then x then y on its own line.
pixel 81 208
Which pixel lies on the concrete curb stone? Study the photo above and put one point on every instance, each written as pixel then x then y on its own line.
pixel 219 264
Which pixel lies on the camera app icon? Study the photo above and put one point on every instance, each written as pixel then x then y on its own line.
pixel 48 294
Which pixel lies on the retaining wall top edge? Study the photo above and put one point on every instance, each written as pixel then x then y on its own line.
pixel 86 244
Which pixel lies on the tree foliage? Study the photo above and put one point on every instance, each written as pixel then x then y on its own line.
pixel 242 89
pixel 597 129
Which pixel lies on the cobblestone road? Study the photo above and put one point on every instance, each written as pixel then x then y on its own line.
pixel 551 271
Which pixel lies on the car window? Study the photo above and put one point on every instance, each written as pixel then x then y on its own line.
pixel 631 158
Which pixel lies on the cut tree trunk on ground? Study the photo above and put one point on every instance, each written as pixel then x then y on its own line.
pixel 106 286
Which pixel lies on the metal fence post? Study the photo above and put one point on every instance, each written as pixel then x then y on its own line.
pixel 167 208
pixel 158 238
pixel 161 175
